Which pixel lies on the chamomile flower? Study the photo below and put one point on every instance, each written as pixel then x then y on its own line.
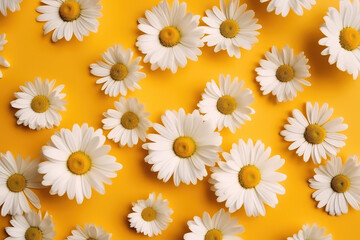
pixel 220 226
pixel 183 147
pixel 76 161
pixel 118 74
pixel 128 122
pixel 31 227
pixel 230 28
pixel 283 7
pixel 69 17
pixel 315 136
pixel 39 104
pixel 12 5
pixel 313 232
pixel 18 176
pixel 89 232
pixel 337 185
pixel 226 105
pixel 151 216
pixel 171 36
pixel 248 177
pixel 3 61
pixel 282 73
pixel 342 37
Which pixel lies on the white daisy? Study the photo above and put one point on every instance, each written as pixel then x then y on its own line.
pixel 171 36
pixel 151 216
pixel 77 160
pixel 39 104
pixel 31 227
pixel 183 147
pixel 313 232
pixel 18 176
pixel 283 6
pixel 230 28
pixel 337 185
pixel 342 37
pixel 69 17
pixel 3 61
pixel 117 73
pixel 315 135
pixel 219 227
pixel 248 177
pixel 282 73
pixel 89 232
pixel 128 122
pixel 12 5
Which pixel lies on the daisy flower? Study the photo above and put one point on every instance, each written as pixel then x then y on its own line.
pixel 282 73
pixel 31 227
pixel 230 28
pixel 342 37
pixel 184 145
pixel 39 104
pixel 171 36
pixel 337 185
pixel 248 177
pixel 3 61
pixel 69 17
pixel 12 5
pixel 128 122
pixel 76 161
pixel 314 135
pixel 151 216
pixel 313 232
pixel 226 105
pixel 220 226
pixel 90 232
pixel 283 6
pixel 18 176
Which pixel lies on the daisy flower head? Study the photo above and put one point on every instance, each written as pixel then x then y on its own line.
pixel 218 227
pixel 183 147
pixel 12 5
pixel 18 176
pixel 226 104
pixel 282 73
pixel 283 7
pixel 313 232
pixel 337 185
pixel 118 74
pixel 314 135
pixel 89 232
pixel 151 216
pixel 32 226
pixel 248 177
pixel 76 162
pixel 230 28
pixel 171 36
pixel 69 17
pixel 3 61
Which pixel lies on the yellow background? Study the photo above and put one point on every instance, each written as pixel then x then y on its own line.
pixel 31 54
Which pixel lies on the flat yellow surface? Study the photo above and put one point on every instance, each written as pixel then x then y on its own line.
pixel 31 54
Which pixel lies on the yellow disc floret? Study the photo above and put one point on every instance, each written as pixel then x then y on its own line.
pixel 229 28
pixel 40 104
pixel 33 233
pixel 226 104
pixel 169 36
pixel 314 134
pixel 213 234
pixel 249 176
pixel 285 73
pixel 184 147
pixel 148 214
pixel 129 120
pixel 79 163
pixel 340 183
pixel 69 10
pixel 16 183
pixel 118 72
pixel 349 38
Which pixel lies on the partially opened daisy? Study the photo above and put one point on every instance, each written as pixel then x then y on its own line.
pixel 90 231
pixel 183 147
pixel 69 17
pixel 226 104
pixel 282 73
pixel 230 28
pixel 283 7
pixel 76 161
pixel 12 5
pixel 3 61
pixel 337 185
pixel 18 176
pixel 314 135
pixel 39 104
pixel 171 36
pixel 313 232
pixel 248 177
pixel 31 227
pixel 151 216
pixel 218 227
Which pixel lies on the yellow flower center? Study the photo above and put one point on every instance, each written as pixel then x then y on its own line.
pixel 226 104
pixel 285 73
pixel 118 72
pixel 129 120
pixel 229 28
pixel 40 104
pixel 314 134
pixel 169 36
pixel 148 214
pixel 16 183
pixel 79 163
pixel 349 38
pixel 184 147
pixel 340 183
pixel 214 234
pixel 69 10
pixel 91 238
pixel 33 233
pixel 249 176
